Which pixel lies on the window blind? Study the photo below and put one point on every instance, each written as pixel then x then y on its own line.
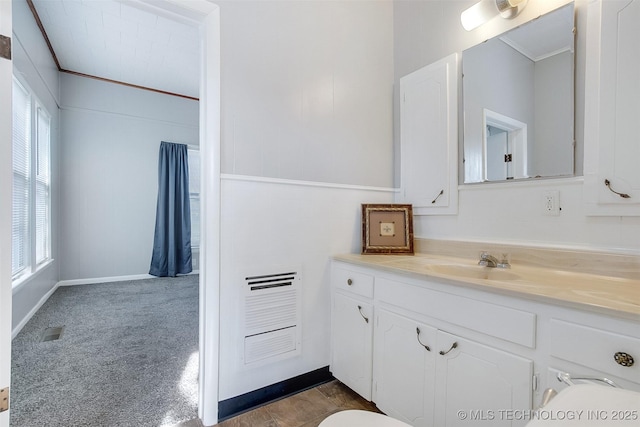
pixel 31 210
pixel 21 178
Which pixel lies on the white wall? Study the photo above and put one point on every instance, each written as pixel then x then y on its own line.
pixel 110 136
pixel 33 63
pixel 307 89
pixel 426 31
pixel 275 224
pixel 306 95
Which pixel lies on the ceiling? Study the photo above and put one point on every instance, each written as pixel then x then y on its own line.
pixel 131 42
pixel 544 37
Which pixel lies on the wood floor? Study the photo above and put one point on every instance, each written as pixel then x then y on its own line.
pixel 305 409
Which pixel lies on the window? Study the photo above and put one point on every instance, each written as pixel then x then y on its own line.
pixel 193 157
pixel 31 222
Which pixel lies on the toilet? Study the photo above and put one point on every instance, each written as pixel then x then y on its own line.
pixel 357 418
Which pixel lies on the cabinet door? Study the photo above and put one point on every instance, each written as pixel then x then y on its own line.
pixel 612 108
pixel 429 138
pixel 404 368
pixel 352 333
pixel 475 383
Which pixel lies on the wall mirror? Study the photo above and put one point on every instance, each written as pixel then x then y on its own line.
pixel 518 92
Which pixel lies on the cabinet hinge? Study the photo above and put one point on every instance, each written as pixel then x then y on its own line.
pixel 5 47
pixel 4 399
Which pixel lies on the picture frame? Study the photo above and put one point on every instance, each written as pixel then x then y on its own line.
pixel 387 229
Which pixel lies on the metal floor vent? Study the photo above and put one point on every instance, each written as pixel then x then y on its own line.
pixel 52 334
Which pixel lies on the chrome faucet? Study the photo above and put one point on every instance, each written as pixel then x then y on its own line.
pixel 487 260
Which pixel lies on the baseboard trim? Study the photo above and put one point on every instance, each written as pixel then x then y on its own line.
pixel 32 312
pixel 95 280
pixel 236 405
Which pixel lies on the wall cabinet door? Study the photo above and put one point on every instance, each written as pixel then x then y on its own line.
pixel 612 108
pixel 404 368
pixel 351 343
pixel 429 138
pixel 475 382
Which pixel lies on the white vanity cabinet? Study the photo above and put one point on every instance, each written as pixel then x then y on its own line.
pixel 424 373
pixel 427 361
pixel 352 329
pixel 429 138
pixel 404 368
pixel 436 348
pixel 612 108
pixel 480 380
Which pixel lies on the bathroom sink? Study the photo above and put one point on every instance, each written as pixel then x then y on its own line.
pixel 474 272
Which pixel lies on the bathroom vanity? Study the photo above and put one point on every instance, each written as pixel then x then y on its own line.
pixel 441 341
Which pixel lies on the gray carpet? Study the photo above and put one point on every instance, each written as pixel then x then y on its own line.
pixel 128 356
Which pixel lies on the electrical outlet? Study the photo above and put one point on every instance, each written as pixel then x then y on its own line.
pixel 551 203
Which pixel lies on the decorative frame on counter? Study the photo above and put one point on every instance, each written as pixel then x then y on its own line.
pixel 387 229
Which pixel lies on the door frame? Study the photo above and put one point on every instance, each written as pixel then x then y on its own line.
pixel 206 16
pixel 6 197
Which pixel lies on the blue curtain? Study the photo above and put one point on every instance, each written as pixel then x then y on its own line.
pixel 172 240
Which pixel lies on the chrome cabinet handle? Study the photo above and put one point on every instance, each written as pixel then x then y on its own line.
pixel 454 345
pixel 349 282
pixel 418 337
pixel 366 319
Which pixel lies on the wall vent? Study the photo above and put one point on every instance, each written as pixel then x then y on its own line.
pixel 272 305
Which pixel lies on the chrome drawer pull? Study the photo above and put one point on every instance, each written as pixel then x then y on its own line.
pixel 454 345
pixel 366 319
pixel 418 337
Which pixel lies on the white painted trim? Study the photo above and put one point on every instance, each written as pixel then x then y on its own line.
pixel 280 181
pixel 531 182
pixel 210 208
pixel 33 311
pixel 96 280
pixel 18 284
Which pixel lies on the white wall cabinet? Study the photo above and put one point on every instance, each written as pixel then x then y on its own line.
pixel 612 109
pixel 429 138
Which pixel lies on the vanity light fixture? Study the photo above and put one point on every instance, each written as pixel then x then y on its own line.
pixel 485 10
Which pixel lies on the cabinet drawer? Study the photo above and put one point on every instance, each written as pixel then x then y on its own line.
pixel 353 281
pixel 595 348
pixel 491 319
